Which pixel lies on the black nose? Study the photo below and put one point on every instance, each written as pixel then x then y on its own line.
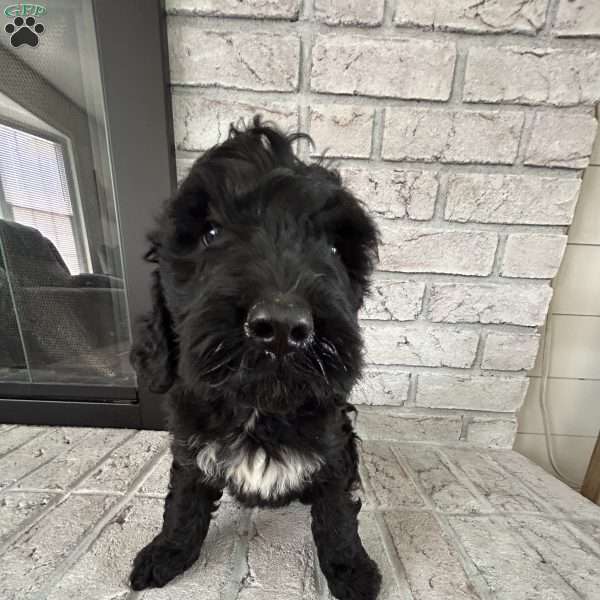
pixel 281 326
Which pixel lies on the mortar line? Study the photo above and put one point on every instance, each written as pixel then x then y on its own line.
pixel 90 537
pixel 464 428
pixel 230 92
pixel 377 132
pixel 423 325
pixel 455 98
pixel 459 168
pixel 481 514
pixel 241 567
pixel 475 280
pixel 285 25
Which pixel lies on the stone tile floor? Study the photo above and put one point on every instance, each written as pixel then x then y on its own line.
pixel 443 523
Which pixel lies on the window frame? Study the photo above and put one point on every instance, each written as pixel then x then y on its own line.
pixel 77 218
pixel 141 180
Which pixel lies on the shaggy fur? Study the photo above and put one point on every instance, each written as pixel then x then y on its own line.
pixel 254 231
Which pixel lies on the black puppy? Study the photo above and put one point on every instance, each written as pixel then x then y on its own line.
pixel 262 264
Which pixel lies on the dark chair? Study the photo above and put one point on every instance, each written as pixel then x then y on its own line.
pixel 59 326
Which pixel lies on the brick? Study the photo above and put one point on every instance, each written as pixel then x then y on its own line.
pixel 561 140
pixel 388 483
pixel 256 9
pixel 437 481
pixel 430 559
pixel 507 564
pixel 420 344
pixel 492 432
pixel 376 423
pixel 500 489
pixel 37 452
pixel 510 351
pixel 412 250
pixel 125 463
pixel 200 122
pixel 281 556
pixel 577 18
pixel 533 255
pixel 17 509
pixel 378 387
pixel 489 303
pixel 497 394
pixel 31 560
pixel 247 61
pixel 449 136
pixel 395 67
pixel 525 75
pixel 365 13
pixel 342 130
pixel 394 193
pixel 523 199
pixel 394 300
pixel 513 16
pixel 78 458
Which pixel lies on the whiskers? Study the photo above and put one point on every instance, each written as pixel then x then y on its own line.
pixel 233 361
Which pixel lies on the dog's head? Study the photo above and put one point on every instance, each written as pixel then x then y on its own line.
pixel 262 265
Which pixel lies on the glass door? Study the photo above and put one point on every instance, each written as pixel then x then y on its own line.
pixel 80 175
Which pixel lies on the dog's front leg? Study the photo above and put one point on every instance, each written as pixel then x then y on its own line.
pixel 188 509
pixel 349 571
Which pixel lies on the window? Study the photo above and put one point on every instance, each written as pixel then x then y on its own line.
pixel 34 190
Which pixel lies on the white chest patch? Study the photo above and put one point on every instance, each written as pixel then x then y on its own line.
pixel 252 472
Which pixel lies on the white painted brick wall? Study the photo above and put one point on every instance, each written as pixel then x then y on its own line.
pixel 467 149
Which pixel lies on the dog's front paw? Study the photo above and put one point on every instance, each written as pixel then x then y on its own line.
pixel 158 563
pixel 359 581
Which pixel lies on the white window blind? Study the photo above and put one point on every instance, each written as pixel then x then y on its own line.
pixel 34 183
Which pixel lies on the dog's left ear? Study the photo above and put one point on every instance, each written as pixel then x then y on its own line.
pixel 357 240
pixel 154 351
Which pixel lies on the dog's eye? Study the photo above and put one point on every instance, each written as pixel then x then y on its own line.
pixel 334 250
pixel 210 234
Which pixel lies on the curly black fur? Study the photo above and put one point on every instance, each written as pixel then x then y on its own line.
pixel 253 222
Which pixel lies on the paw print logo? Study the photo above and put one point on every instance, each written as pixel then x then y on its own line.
pixel 24 31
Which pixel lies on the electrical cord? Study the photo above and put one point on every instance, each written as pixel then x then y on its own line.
pixel 546 348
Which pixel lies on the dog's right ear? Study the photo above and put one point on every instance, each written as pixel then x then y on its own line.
pixel 154 351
